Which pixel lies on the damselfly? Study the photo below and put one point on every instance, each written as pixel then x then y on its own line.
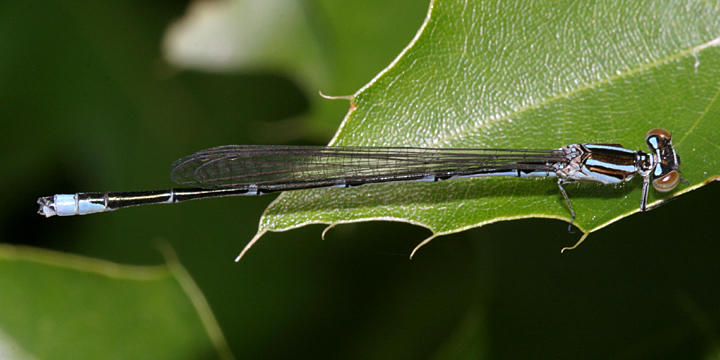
pixel 255 170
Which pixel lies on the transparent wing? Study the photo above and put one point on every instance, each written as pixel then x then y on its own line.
pixel 294 167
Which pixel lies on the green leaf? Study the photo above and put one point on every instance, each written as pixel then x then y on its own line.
pixel 247 34
pixel 60 306
pixel 317 43
pixel 529 75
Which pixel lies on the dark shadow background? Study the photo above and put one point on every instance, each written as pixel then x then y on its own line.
pixel 88 104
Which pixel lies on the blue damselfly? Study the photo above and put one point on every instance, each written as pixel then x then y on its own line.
pixel 260 169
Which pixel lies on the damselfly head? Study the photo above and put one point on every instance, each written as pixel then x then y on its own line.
pixel 665 175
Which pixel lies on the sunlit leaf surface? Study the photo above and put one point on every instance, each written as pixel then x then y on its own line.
pixel 537 75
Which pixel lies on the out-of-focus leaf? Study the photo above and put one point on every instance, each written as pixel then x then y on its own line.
pixel 317 43
pixel 59 306
pixel 536 75
pixel 247 34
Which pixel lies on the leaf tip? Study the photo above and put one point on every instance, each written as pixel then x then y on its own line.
pixel 582 238
pixel 421 244
pixel 325 231
pixel 249 245
pixel 335 97
pixel 341 97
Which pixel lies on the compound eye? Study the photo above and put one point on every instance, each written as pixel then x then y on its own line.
pixel 667 182
pixel 660 133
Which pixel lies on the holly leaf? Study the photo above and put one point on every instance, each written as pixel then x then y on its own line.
pixel 529 75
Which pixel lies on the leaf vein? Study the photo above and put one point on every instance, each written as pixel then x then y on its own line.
pixel 700 117
pixel 662 61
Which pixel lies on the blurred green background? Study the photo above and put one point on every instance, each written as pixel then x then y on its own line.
pixel 88 103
